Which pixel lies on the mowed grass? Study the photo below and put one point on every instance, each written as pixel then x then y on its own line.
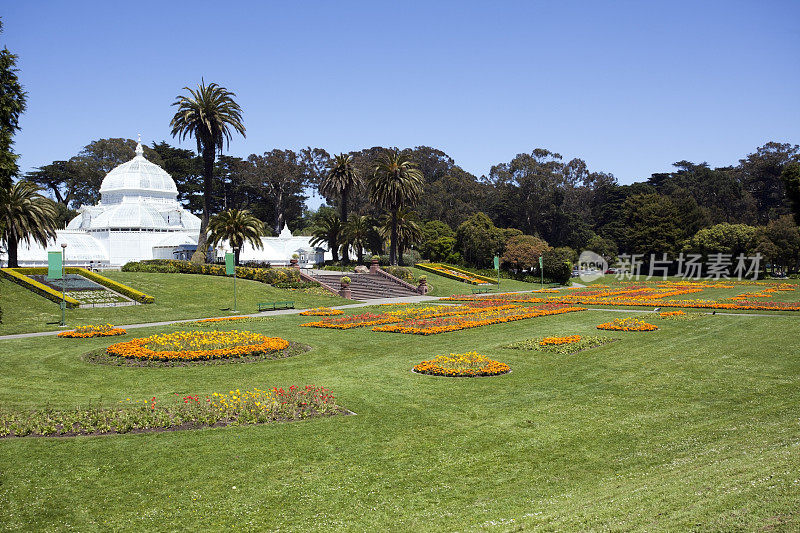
pixel 694 426
pixel 443 286
pixel 177 296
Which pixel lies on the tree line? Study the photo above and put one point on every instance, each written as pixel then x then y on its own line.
pixel 454 215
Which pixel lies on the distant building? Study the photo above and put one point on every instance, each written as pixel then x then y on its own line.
pixel 139 218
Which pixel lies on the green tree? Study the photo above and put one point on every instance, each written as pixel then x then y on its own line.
pixel 12 104
pixel 723 238
pixel 652 226
pixel 278 178
pixel 77 181
pixel 760 174
pixel 340 181
pixel 236 227
pixel 791 182
pixel 25 215
pixel 395 183
pixel 779 242
pixel 479 240
pixel 602 246
pixel 356 233
pixel 328 230
pixel 210 115
pixel 409 230
pixel 432 231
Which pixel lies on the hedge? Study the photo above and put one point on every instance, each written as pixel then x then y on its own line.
pixel 173 266
pixel 39 288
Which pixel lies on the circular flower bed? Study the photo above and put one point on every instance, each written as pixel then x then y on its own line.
pixel 321 311
pixel 558 341
pixel 100 330
pixel 197 346
pixel 627 324
pixel 470 364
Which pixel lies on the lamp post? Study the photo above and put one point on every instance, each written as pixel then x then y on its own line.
pixel 63 284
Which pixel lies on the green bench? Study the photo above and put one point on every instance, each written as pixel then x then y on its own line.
pixel 272 306
pixel 482 290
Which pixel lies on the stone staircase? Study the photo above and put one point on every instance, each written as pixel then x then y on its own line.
pixel 366 286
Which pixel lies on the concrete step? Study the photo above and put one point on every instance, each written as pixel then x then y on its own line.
pixel 367 286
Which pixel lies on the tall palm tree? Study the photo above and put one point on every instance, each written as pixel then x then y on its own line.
pixel 341 180
pixel 396 182
pixel 328 230
pixel 357 232
pixel 409 230
pixel 237 226
pixel 210 115
pixel 25 215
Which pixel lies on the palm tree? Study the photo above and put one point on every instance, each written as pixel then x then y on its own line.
pixel 340 181
pixel 236 226
pixel 210 115
pixel 25 215
pixel 328 230
pixel 356 232
pixel 409 231
pixel 396 182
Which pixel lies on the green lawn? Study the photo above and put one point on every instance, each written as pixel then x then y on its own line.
pixel 692 427
pixel 177 296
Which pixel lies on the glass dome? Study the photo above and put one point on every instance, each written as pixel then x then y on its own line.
pixel 138 177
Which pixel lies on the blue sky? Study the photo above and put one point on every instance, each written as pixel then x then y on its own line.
pixel 630 87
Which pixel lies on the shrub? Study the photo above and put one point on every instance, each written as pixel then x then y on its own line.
pixel 399 272
pixel 345 280
pixel 172 266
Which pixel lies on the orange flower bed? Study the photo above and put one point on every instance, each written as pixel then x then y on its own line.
pixel 197 346
pixel 665 314
pixel 471 364
pixel 488 317
pixel 627 324
pixel 557 341
pixel 321 311
pixel 221 319
pixel 100 330
pixel 417 313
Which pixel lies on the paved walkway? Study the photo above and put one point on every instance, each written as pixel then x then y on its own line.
pixel 409 299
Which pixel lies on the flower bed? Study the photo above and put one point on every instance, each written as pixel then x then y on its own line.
pixel 99 330
pixel 485 318
pixel 407 313
pixel 566 348
pixel 321 311
pixel 470 364
pixel 627 324
pixel 198 346
pixel 220 319
pixel 188 411
pixel 456 273
pixel 557 341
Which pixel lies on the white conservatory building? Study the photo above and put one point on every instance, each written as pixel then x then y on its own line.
pixel 139 218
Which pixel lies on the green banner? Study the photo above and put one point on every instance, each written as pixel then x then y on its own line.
pixel 496 263
pixel 541 262
pixel 54 270
pixel 230 267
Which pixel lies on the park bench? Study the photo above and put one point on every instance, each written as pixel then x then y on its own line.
pixel 271 306
pixel 481 290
